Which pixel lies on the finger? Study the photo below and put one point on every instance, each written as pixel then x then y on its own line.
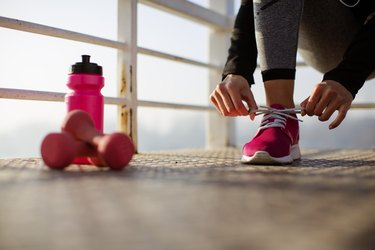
pixel 326 105
pixel 250 101
pixel 340 117
pixel 235 96
pixel 252 114
pixel 215 103
pixel 226 101
pixel 328 112
pixel 314 98
pixel 303 106
pixel 239 105
pixel 220 104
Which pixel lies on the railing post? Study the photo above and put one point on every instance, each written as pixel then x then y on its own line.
pixel 217 125
pixel 127 67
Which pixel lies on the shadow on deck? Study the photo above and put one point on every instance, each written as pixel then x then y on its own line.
pixel 197 199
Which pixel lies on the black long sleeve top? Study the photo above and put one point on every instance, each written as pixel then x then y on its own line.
pixel 355 67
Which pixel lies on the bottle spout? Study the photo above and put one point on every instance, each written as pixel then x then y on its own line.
pixel 85 59
pixel 86 67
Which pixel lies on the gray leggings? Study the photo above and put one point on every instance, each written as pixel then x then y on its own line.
pixel 320 29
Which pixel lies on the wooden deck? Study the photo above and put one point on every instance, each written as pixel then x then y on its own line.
pixel 197 199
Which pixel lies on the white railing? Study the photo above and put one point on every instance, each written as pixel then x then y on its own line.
pixel 127 47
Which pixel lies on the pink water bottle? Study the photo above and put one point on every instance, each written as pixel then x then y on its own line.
pixel 86 81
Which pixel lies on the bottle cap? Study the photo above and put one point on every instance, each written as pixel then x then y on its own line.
pixel 86 67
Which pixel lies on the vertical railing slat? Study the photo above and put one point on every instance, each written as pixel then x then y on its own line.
pixel 127 66
pixel 217 127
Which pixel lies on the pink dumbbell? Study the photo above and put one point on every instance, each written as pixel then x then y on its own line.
pixel 115 150
pixel 59 149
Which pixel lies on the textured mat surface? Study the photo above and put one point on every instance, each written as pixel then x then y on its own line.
pixel 192 199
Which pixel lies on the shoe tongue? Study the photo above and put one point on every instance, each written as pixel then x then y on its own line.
pixel 277 106
pixel 274 120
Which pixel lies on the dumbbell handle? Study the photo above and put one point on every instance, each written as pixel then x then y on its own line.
pixel 114 150
pixel 80 125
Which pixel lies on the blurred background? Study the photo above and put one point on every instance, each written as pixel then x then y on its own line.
pixel 36 62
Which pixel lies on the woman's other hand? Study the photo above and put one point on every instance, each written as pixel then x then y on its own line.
pixel 325 99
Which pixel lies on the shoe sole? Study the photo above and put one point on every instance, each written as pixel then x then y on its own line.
pixel 264 158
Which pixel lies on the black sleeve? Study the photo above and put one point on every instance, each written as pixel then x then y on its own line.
pixel 358 62
pixel 242 54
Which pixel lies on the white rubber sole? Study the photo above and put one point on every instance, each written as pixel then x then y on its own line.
pixel 264 158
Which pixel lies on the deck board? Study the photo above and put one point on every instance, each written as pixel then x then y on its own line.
pixel 192 199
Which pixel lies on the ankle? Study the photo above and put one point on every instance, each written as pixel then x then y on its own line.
pixel 285 103
pixel 280 92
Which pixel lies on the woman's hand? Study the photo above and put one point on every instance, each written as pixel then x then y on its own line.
pixel 229 94
pixel 325 99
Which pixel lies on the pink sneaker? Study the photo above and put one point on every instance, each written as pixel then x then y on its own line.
pixel 276 141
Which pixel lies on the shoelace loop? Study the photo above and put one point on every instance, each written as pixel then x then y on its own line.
pixel 279 116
